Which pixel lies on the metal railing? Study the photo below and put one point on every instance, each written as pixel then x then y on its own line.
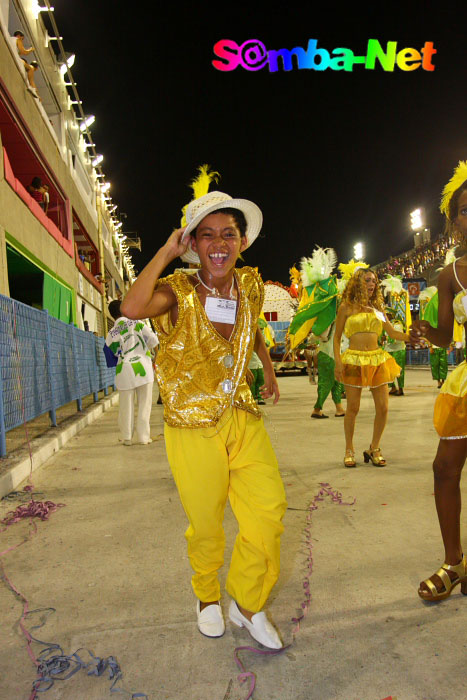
pixel 416 357
pixel 45 364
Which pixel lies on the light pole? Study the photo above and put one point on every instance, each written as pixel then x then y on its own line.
pixel 417 224
pixel 359 251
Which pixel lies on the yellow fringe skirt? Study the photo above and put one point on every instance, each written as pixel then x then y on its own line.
pixel 450 417
pixel 369 368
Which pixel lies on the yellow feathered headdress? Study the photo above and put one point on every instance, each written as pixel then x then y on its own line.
pixel 458 179
pixel 294 275
pixel 200 186
pixel 349 269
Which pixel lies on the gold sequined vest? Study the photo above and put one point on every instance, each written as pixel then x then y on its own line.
pixel 199 372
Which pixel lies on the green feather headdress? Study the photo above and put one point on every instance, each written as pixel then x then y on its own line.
pixel 392 284
pixel 319 267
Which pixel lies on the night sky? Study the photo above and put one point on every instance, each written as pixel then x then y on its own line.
pixel 331 157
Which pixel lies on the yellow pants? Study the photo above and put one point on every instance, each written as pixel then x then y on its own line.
pixel 234 459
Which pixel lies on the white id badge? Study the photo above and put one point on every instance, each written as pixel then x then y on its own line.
pixel 221 310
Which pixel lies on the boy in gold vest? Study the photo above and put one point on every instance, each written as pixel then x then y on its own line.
pixel 216 442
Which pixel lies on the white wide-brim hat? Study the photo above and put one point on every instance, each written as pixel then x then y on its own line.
pixel 199 208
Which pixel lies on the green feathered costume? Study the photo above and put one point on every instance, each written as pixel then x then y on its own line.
pixel 318 302
pixel 316 313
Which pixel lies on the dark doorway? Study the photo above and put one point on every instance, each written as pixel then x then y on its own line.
pixel 25 279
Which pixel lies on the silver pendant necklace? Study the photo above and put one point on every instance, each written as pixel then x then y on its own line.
pixel 215 291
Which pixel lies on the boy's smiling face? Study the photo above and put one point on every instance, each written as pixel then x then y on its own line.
pixel 218 242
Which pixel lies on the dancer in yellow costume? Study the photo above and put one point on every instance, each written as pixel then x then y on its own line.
pixel 364 364
pixel 216 442
pixel 450 415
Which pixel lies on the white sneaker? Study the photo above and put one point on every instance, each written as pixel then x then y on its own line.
pixel 260 628
pixel 127 443
pixel 210 620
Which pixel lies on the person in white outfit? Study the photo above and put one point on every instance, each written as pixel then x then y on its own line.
pixel 132 340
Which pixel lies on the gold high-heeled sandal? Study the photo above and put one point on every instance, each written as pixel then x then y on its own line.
pixel 349 459
pixel 433 595
pixel 374 454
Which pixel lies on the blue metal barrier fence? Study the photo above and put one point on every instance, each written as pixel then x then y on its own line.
pixel 45 364
pixel 416 357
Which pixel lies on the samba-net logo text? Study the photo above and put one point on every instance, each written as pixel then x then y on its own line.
pixel 253 55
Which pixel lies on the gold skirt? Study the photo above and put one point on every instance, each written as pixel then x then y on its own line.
pixel 369 368
pixel 450 416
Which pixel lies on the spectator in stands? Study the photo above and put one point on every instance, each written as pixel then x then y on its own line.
pixel 46 198
pixel 415 262
pixel 131 341
pixel 32 84
pixel 37 191
pixel 30 68
pixel 22 51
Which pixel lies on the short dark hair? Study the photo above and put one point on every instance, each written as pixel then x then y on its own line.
pixel 237 214
pixel 18 33
pixel 36 182
pixel 34 64
pixel 114 309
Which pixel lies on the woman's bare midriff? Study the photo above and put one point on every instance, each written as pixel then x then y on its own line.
pixel 364 341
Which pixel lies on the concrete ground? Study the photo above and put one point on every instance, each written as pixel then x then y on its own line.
pixel 112 563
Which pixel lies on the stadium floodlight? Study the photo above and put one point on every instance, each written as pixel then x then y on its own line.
pixel 416 221
pixel 37 9
pixel 359 251
pixel 67 63
pixel 87 121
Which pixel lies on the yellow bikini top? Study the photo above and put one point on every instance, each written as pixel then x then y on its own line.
pixel 460 313
pixel 364 322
